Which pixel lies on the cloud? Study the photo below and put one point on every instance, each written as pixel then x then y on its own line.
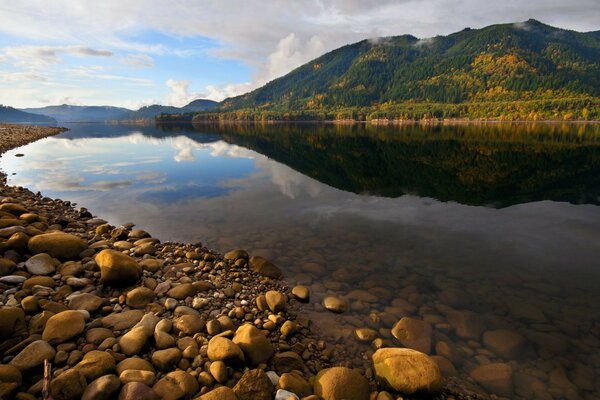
pixel 180 94
pixel 270 40
pixel 22 77
pixel 96 72
pixel 138 61
pixel 49 54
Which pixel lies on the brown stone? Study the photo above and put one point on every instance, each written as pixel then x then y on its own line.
pixel 58 245
pixel 254 385
pixel 341 383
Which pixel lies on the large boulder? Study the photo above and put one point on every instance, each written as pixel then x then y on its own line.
pixel 254 344
pixel 116 268
pixel 341 383
pixel 64 326
pixel 406 371
pixel 414 334
pixel 57 244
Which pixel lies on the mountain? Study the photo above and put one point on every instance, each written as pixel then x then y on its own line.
pixel 68 113
pixel 12 115
pixel 525 70
pixel 201 105
pixel 151 112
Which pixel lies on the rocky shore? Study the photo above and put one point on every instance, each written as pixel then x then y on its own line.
pixel 115 313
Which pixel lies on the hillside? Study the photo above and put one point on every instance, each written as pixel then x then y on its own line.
pixel 69 113
pixel 511 71
pixel 14 116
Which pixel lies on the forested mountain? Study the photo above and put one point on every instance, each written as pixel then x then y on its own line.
pixel 12 115
pixel 523 70
pixel 201 105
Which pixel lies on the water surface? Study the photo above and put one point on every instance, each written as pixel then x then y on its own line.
pixel 500 220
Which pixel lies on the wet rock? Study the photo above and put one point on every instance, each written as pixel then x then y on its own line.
pixel 254 385
pixel 69 385
pixel 33 355
pixel 96 364
pixel 189 324
pixel 341 383
pixel 64 326
pixel 134 363
pixel 10 379
pixel 213 327
pixel 6 266
pixel 275 300
pixel 218 370
pixel 507 344
pixel 295 383
pixel 134 341
pixel 446 367
pixel 39 281
pixel 254 344
pixel 466 324
pixel 124 320
pixel 85 301
pixel 288 328
pixel 335 304
pixel 287 395
pixel 414 334
pixel 137 391
pixel 58 245
pixel 223 349
pixel 180 292
pixel 97 335
pixel 365 335
pixel 220 393
pixel 166 359
pixel 176 385
pixel 139 297
pixel 265 268
pixel 12 322
pixel 235 255
pixel 136 375
pixel 41 264
pixel 495 378
pixel 406 371
pixel 301 293
pixel 116 268
pixel 287 361
pixel 103 388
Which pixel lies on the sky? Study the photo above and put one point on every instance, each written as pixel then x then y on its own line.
pixel 132 53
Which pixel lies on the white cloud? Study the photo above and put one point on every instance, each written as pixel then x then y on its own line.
pixel 138 61
pixel 271 39
pixel 95 72
pixel 41 55
pixel 180 94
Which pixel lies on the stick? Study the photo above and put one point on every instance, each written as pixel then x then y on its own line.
pixel 47 379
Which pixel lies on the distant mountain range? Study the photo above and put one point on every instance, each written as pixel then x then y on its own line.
pixel 70 113
pixel 14 116
pixel 525 70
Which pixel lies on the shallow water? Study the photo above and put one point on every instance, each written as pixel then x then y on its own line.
pixel 420 222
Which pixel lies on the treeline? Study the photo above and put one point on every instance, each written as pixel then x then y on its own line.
pixel 568 109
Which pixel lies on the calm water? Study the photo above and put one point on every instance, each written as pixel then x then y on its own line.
pixel 502 220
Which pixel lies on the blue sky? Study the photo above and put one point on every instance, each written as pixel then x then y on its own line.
pixel 139 52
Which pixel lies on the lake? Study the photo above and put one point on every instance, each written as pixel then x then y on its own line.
pixel 488 233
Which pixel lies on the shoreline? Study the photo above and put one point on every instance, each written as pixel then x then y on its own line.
pixel 448 122
pixel 237 294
